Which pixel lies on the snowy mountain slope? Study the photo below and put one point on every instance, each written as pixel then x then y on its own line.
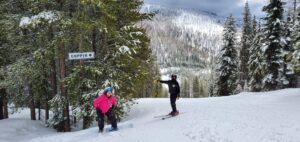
pixel 247 117
pixel 184 38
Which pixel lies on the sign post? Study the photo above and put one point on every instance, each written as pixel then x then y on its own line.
pixel 82 55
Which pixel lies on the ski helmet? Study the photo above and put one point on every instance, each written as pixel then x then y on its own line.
pixel 108 89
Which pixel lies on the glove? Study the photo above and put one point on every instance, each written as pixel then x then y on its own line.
pixel 177 97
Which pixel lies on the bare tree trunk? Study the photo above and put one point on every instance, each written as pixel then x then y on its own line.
pixel 94 35
pixel 32 105
pixel 31 100
pixel 52 78
pixel 39 110
pixel 1 105
pixel 46 105
pixel 5 109
pixel 63 89
pixel 45 92
pixel 61 53
pixel 5 105
pixel 46 112
pixel 32 108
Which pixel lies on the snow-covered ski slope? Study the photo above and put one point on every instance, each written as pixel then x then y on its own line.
pixel 247 117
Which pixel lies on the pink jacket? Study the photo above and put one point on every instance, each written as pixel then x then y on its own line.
pixel 104 103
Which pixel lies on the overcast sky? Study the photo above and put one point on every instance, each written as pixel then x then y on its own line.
pixel 221 7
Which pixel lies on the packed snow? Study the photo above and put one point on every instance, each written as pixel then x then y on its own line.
pixel 246 117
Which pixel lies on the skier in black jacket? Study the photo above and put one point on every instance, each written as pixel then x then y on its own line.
pixel 174 91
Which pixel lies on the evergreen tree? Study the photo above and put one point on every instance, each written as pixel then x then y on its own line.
pixel 245 46
pixel 296 44
pixel 202 90
pixel 184 92
pixel 273 44
pixel 196 88
pixel 255 29
pixel 227 69
pixel 255 61
pixel 288 73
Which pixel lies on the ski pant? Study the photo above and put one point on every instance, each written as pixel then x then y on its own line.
pixel 111 117
pixel 173 98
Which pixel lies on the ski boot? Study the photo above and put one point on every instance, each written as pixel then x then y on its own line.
pixel 113 129
pixel 175 113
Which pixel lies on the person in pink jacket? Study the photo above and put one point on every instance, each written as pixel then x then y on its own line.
pixel 104 105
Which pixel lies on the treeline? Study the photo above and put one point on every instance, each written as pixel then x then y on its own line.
pixel 194 87
pixel 35 39
pixel 267 57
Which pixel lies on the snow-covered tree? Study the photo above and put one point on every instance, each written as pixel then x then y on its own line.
pixel 255 27
pixel 273 44
pixel 245 46
pixel 255 60
pixel 296 43
pixel 288 50
pixel 227 67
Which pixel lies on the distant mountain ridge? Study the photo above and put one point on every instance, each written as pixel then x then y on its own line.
pixel 183 40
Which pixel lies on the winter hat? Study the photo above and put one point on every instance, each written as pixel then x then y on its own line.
pixel 108 89
pixel 174 76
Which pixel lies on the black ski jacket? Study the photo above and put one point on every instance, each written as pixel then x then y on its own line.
pixel 173 86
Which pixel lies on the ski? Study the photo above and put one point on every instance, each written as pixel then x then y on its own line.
pixel 165 116
pixel 170 116
pixel 161 116
pixel 120 127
